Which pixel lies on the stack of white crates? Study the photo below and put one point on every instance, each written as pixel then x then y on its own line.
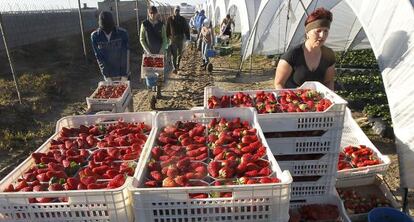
pixel 307 143
pixel 248 202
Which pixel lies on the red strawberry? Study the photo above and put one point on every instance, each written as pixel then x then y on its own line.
pixel 226 172
pixel 27 189
pixel 265 172
pixel 100 170
pixel 242 180
pixel 212 138
pixel 88 180
pixel 213 168
pixel 35 183
pixel 241 168
pixel 43 177
pixel 44 200
pixel 251 181
pixel 201 157
pixel 156 175
pixel 265 180
pixel 55 187
pixel 97 186
pixel 169 182
pixel 66 163
pixel 252 173
pixel 117 181
pixel 57 174
pixel 29 177
pixel 229 163
pixel 130 156
pixel 252 166
pixel 84 153
pixel 71 183
pixel 183 163
pixel 109 174
pixel 198 195
pixel 191 175
pixel 151 183
pixel 181 180
pixel 152 165
pixel 9 188
pixel 82 186
pixel 262 163
pixel 172 171
pixel 40 187
pixel 201 169
pixel 248 158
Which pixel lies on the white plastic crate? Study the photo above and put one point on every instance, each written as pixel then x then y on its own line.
pixel 324 185
pixel 148 71
pixel 83 205
pixel 323 166
pixel 368 181
pixel 326 199
pixel 325 144
pixel 330 119
pixel 114 105
pixel 256 202
pixel 352 134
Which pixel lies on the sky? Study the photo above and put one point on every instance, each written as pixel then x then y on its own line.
pixel 24 5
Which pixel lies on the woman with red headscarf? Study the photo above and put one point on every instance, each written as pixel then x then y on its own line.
pixel 311 60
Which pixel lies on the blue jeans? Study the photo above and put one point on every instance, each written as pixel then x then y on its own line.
pixel 205 46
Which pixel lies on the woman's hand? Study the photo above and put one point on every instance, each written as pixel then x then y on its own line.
pixel 329 80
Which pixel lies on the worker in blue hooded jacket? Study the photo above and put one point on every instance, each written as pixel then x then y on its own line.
pixel 110 45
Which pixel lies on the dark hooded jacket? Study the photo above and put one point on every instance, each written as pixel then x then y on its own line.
pixel 112 54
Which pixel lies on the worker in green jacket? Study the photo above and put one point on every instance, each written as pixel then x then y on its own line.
pixel 153 37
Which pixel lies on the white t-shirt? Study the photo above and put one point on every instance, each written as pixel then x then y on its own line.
pixel 108 36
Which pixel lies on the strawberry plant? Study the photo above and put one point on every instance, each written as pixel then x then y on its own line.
pixel 364 58
pixel 364 91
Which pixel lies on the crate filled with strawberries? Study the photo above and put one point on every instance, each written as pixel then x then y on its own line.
pixel 310 107
pixel 294 121
pixel 152 63
pixel 325 208
pixel 361 196
pixel 112 96
pixel 210 165
pixel 302 127
pixel 359 157
pixel 81 172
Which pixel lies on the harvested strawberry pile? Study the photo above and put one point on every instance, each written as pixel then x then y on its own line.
pixel 156 62
pixel 315 212
pixel 110 91
pixel 88 157
pixel 300 100
pixel 356 203
pixel 222 153
pixel 356 157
